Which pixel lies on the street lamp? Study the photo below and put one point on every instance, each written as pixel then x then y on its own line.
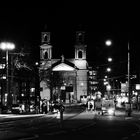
pixel 109 59
pixel 108 42
pixel 7 46
pixel 129 93
pixel 108 69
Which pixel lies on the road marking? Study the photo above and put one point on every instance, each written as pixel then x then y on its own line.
pixel 82 127
pixel 57 132
pixel 134 134
pixel 30 138
pixel 128 118
pixel 124 138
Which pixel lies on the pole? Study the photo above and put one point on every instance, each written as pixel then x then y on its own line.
pixel 129 94
pixel 7 75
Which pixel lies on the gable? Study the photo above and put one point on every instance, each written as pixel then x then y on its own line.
pixel 63 67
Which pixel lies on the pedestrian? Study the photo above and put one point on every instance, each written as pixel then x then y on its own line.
pixel 98 106
pixel 43 108
pixel 91 106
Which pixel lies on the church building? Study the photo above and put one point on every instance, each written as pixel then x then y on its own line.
pixel 64 78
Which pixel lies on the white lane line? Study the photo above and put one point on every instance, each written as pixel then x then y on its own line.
pixel 29 138
pixel 89 125
pixel 128 118
pixel 57 132
pixel 134 134
pixel 124 138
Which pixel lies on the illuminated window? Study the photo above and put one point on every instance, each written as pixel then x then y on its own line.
pixel 2 66
pixel 32 89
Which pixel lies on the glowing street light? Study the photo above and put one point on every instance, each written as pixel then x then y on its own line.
pixel 108 69
pixel 7 46
pixel 108 42
pixel 109 59
pixel 108 87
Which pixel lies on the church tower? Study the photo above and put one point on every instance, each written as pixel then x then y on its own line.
pixel 80 50
pixel 45 63
pixel 80 47
pixel 45 50
pixel 81 64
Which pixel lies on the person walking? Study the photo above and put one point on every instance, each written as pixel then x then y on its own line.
pixel 98 106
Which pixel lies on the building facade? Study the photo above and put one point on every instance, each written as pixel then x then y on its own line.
pixel 92 81
pixel 63 78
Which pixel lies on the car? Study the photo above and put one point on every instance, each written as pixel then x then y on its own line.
pixel 109 111
pixel 108 106
pixel 16 109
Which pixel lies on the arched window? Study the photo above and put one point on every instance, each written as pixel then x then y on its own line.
pixel 46 55
pixel 46 38
pixel 80 54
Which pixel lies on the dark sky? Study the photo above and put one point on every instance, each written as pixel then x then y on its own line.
pixel 23 26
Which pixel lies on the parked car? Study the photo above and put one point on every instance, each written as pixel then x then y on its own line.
pixel 16 109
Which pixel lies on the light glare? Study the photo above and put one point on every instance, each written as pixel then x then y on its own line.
pixel 7 46
pixel 109 59
pixel 108 69
pixel 108 42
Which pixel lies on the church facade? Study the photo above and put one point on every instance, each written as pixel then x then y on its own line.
pixel 64 78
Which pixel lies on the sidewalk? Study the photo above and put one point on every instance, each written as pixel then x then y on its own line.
pixel 122 112
pixel 9 117
pixel 119 112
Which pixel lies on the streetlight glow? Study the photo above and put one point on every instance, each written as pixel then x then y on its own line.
pixel 7 46
pixel 109 59
pixel 108 42
pixel 108 87
pixel 108 69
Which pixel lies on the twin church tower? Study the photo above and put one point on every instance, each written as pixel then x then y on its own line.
pixel 73 72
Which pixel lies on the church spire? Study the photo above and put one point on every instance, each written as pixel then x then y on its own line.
pixel 45 36
pixel 80 47
pixel 80 37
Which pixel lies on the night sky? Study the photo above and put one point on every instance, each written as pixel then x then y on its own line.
pixel 23 25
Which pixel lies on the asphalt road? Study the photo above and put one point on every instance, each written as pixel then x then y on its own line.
pixel 76 125
pixel 98 128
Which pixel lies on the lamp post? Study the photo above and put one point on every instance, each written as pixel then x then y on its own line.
pixel 129 94
pixel 7 46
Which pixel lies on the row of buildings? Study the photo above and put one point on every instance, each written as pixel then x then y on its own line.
pixel 67 79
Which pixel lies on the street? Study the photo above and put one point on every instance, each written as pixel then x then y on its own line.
pixel 77 124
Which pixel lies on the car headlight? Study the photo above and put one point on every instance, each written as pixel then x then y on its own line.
pixel 110 111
